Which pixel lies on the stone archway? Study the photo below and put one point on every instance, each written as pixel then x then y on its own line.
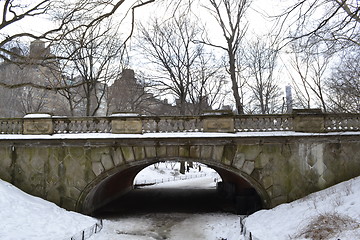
pixel 118 180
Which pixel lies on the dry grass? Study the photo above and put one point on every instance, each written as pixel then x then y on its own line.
pixel 327 225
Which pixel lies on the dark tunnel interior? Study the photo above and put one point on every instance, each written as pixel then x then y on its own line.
pixel 116 195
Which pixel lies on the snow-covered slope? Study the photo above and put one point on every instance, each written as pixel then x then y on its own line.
pixel 330 214
pixel 26 217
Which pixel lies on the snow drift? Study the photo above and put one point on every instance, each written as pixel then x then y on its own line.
pixel 333 214
pixel 26 217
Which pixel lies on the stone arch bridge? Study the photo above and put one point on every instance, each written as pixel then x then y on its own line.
pixel 83 163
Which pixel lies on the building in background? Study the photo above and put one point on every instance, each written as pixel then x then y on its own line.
pixel 127 94
pixel 39 67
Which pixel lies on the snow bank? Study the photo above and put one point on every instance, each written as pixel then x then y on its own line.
pixel 290 221
pixel 26 217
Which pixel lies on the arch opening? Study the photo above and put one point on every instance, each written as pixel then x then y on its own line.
pixel 118 192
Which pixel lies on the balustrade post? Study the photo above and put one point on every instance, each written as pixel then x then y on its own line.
pixel 126 123
pixel 218 121
pixel 309 120
pixel 38 124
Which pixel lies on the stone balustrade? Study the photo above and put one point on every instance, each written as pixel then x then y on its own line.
pixel 300 121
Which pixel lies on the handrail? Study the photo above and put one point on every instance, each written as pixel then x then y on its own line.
pixel 170 124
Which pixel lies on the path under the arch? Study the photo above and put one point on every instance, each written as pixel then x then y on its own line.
pixel 185 196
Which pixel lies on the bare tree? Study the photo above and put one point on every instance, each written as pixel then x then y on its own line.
pixel 334 23
pixel 206 89
pixel 262 81
pixel 65 15
pixel 310 66
pixel 344 84
pixel 169 47
pixel 230 15
pixel 96 62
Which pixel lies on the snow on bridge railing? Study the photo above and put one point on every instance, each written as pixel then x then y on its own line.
pixel 145 182
pixel 298 122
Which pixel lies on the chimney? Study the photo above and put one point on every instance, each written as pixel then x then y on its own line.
pixel 37 49
pixel 128 74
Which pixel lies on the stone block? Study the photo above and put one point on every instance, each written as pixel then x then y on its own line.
pixel 309 120
pixel 107 161
pixel 97 168
pixel 172 151
pixel 184 151
pixel 218 153
pixel 251 151
pixel 206 152
pixel 278 200
pixel 53 195
pixel 267 182
pixel 261 160
pixel 118 157
pixel 5 153
pixel 126 126
pixel 277 190
pixel 228 154
pixel 150 152
pixel 329 176
pixel 161 151
pixel 139 153
pixel 224 125
pixel 239 160
pixel 248 167
pixel 34 126
pixel 195 152
pixel 128 154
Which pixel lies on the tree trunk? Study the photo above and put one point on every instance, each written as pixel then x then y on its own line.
pixel 235 87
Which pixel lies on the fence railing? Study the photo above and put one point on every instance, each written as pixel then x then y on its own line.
pixel 168 179
pixel 88 232
pixel 247 235
pixel 175 124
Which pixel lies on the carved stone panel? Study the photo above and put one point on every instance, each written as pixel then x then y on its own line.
pixel 38 126
pixel 219 125
pixel 126 126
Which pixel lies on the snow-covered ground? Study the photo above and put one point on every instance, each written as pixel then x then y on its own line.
pixel 174 226
pixel 26 217
pixel 331 214
pixel 30 218
pixel 169 172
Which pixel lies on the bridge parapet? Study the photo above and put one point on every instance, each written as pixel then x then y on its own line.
pixel 304 122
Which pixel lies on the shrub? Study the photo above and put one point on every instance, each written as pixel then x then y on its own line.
pixel 327 225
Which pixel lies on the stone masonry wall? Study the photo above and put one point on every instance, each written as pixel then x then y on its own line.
pixel 281 170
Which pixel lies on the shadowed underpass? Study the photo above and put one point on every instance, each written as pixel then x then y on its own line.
pixel 166 199
pixel 149 200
